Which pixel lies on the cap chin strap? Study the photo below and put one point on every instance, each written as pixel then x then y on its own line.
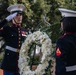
pixel 15 21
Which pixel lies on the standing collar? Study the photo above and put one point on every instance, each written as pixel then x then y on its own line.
pixel 14 25
pixel 69 33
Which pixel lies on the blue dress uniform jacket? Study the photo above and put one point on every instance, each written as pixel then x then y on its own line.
pixel 14 36
pixel 66 55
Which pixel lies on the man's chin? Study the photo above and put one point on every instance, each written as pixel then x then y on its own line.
pixel 19 22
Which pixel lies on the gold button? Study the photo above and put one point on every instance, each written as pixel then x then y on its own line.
pixel 19 31
pixel 19 34
pixel 19 45
pixel 18 28
pixel 12 35
pixel 19 42
pixel 17 50
pixel 19 38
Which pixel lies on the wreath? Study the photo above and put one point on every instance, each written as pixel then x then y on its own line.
pixel 46 48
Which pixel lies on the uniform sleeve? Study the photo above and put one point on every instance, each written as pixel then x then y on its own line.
pixel 60 57
pixel 2 23
pixel 1 32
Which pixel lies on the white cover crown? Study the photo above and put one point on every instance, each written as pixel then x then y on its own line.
pixel 16 7
pixel 67 13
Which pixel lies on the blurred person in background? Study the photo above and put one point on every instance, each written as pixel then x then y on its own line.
pixel 66 44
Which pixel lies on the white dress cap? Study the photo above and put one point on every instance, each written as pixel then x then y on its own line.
pixel 16 7
pixel 67 13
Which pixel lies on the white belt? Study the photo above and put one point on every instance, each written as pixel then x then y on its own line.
pixel 71 68
pixel 12 49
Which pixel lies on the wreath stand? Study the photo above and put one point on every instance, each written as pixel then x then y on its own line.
pixel 24 59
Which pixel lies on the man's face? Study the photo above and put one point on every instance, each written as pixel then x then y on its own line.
pixel 18 18
pixel 61 26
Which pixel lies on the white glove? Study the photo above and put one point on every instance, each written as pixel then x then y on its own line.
pixel 11 16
